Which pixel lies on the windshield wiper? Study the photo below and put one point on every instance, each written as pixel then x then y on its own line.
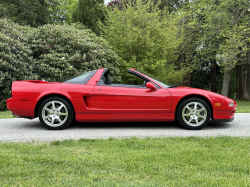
pixel 174 86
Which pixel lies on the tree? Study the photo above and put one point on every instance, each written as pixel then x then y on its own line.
pixel 25 12
pixel 170 5
pixel 206 35
pixel 119 4
pixel 217 37
pixel 144 38
pixel 61 11
pixel 232 48
pixel 244 26
pixel 89 12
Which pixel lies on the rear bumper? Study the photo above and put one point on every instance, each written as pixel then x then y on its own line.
pixel 11 105
pixel 223 120
pixel 23 113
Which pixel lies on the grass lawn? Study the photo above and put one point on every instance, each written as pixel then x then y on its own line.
pixel 242 107
pixel 221 161
pixel 5 114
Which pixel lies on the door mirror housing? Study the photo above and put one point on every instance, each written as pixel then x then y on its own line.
pixel 151 86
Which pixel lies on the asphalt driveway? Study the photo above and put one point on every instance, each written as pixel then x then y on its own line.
pixel 25 130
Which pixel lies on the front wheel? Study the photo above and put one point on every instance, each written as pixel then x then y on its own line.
pixel 55 113
pixel 193 113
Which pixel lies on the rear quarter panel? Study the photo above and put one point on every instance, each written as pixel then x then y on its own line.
pixel 26 94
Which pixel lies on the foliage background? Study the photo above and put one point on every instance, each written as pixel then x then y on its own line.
pixel 146 38
pixel 16 62
pixel 50 52
pixel 25 12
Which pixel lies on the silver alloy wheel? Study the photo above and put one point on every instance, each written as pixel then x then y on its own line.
pixel 54 113
pixel 194 114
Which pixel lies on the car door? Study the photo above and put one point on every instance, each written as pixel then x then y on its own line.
pixel 117 101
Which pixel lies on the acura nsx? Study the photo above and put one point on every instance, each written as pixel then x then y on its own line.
pixel 92 97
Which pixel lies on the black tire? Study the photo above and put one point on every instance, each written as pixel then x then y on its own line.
pixel 191 118
pixel 55 113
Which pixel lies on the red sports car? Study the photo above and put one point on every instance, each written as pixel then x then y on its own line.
pixel 92 97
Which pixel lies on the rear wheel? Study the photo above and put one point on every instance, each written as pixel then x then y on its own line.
pixel 193 113
pixel 55 113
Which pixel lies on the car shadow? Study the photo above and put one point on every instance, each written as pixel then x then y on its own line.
pixel 33 124
pixel 125 125
pixel 149 125
pixel 221 125
pixel 116 125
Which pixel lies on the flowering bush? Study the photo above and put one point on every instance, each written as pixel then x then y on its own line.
pixel 15 58
pixel 50 52
pixel 62 51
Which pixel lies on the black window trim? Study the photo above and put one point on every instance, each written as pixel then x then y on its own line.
pixel 141 76
pixel 105 71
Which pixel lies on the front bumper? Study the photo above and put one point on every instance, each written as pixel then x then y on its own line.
pixel 224 116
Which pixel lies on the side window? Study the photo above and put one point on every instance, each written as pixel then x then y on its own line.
pixel 132 80
pixel 81 79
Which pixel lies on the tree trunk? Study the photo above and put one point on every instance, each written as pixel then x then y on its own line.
pixel 240 79
pixel 246 95
pixel 186 78
pixel 213 76
pixel 225 85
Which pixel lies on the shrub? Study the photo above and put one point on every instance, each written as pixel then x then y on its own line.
pixel 15 58
pixel 77 50
pixel 50 52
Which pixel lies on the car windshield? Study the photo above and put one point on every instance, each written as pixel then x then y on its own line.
pixel 81 79
pixel 158 81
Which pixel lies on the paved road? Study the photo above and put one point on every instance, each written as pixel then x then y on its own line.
pixel 24 130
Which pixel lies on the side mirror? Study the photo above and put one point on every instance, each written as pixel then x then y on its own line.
pixel 151 86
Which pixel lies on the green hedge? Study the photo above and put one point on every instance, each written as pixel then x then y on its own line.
pixel 15 58
pixel 50 52
pixel 62 51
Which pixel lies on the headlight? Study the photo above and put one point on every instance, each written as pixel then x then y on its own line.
pixel 231 104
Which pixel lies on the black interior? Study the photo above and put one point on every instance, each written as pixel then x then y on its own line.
pixel 106 80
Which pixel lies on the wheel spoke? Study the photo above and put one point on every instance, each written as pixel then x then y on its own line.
pixel 46 117
pixel 196 120
pixel 63 114
pixel 188 114
pixel 53 105
pixel 195 106
pixel 47 109
pixel 202 109
pixel 190 120
pixel 201 116
pixel 60 107
pixel 59 120
pixel 52 121
pixel 189 108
